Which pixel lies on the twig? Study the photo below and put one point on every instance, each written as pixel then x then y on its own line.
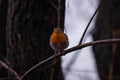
pixel 108 41
pixel 8 79
pixel 56 8
pixel 37 65
pixel 89 23
pixel 10 69
pixel 59 12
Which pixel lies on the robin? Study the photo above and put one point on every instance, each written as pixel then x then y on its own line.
pixel 58 40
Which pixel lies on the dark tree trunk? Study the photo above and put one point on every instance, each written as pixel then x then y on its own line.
pixel 29 26
pixel 3 14
pixel 108 27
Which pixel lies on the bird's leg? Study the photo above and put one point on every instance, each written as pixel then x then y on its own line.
pixel 55 59
pixel 52 73
pixel 54 62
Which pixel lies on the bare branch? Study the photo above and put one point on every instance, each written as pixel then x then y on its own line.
pixel 8 79
pixel 108 41
pixel 59 11
pixel 10 69
pixel 37 65
pixel 89 23
pixel 56 8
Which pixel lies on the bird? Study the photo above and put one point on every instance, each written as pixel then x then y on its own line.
pixel 58 41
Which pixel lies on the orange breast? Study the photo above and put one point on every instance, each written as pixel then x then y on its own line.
pixel 58 38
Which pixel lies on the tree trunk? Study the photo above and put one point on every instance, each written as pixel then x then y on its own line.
pixel 29 26
pixel 3 15
pixel 108 27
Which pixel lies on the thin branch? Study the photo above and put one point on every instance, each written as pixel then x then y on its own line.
pixel 108 41
pixel 89 23
pixel 10 69
pixel 8 79
pixel 56 8
pixel 59 12
pixel 37 65
pixel 62 14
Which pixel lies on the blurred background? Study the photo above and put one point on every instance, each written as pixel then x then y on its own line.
pixel 80 64
pixel 26 27
pixel 99 62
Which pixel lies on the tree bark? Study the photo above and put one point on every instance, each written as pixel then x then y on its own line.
pixel 29 26
pixel 108 26
pixel 3 15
